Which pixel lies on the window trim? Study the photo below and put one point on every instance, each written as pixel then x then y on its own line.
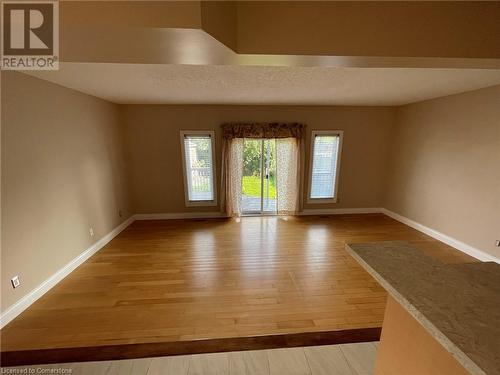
pixel 190 203
pixel 314 133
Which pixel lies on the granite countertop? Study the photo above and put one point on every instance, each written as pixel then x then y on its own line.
pixel 458 304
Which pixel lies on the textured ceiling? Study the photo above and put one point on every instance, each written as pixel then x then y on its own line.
pixel 213 84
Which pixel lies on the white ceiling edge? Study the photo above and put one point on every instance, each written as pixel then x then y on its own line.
pixel 265 85
pixel 365 61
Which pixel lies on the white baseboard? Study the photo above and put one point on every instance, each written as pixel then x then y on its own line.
pixel 17 308
pixel 180 215
pixel 340 211
pixel 459 245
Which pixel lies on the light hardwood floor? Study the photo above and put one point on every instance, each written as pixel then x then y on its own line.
pixel 345 359
pixel 164 281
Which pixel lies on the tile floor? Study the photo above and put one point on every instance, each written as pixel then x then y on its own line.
pixel 345 359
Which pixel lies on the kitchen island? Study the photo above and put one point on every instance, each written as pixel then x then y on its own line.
pixel 440 318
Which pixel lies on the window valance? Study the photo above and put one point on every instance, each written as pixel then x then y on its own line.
pixel 262 130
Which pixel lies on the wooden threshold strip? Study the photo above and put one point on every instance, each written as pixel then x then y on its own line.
pixel 143 350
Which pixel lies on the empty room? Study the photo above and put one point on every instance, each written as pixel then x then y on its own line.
pixel 250 187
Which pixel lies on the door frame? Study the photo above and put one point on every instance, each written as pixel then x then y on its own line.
pixel 261 212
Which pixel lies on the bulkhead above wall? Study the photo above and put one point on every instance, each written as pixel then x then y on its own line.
pixel 215 32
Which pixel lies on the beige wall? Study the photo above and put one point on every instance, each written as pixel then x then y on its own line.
pixel 62 171
pixel 156 161
pixel 151 14
pixel 219 19
pixel 370 28
pixel 445 171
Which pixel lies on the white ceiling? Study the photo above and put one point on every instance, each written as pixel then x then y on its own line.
pixel 229 84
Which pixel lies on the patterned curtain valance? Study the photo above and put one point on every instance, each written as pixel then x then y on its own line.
pixel 262 130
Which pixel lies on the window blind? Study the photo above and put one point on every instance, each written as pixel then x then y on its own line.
pixel 324 166
pixel 199 168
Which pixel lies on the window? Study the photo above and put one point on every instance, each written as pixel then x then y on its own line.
pixel 199 175
pixel 324 167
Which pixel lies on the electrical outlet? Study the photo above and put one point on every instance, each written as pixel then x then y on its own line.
pixel 15 281
pixel 497 243
pixel 91 231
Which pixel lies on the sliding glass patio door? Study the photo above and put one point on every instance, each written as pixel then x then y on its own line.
pixel 259 176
